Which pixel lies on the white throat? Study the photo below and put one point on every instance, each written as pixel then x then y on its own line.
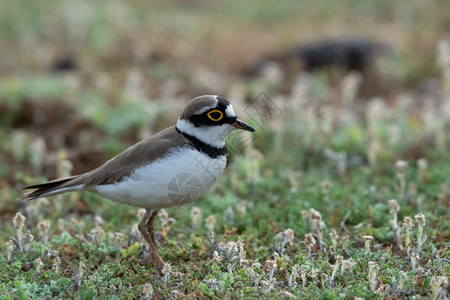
pixel 211 135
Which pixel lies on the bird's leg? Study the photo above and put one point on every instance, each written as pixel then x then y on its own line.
pixel 150 228
pixel 146 229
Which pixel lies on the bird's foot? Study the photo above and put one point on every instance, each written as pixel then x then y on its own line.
pixel 159 265
pixel 157 262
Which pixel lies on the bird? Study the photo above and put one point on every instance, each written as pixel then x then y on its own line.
pixel 177 165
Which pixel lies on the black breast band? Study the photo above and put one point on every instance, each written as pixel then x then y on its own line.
pixel 211 151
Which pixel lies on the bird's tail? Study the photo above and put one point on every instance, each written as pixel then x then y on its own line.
pixel 53 187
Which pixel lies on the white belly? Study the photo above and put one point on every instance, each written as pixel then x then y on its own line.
pixel 183 176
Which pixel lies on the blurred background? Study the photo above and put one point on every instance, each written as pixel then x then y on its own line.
pixel 87 76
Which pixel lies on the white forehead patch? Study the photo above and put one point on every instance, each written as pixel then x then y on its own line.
pixel 229 111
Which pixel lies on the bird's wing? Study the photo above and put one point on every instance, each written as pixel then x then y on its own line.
pixel 115 169
pixel 142 153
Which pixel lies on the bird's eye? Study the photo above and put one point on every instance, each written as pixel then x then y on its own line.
pixel 215 115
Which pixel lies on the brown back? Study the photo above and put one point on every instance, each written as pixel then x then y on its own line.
pixel 122 165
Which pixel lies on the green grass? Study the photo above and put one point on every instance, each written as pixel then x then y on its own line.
pixel 322 166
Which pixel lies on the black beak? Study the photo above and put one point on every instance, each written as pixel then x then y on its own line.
pixel 241 125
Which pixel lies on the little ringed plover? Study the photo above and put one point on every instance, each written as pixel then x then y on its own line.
pixel 175 166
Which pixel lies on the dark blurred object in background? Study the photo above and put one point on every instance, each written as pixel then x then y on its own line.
pixel 335 57
pixel 357 54
pixel 65 63
pixel 350 55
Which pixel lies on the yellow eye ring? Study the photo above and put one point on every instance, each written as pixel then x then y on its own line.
pixel 215 111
